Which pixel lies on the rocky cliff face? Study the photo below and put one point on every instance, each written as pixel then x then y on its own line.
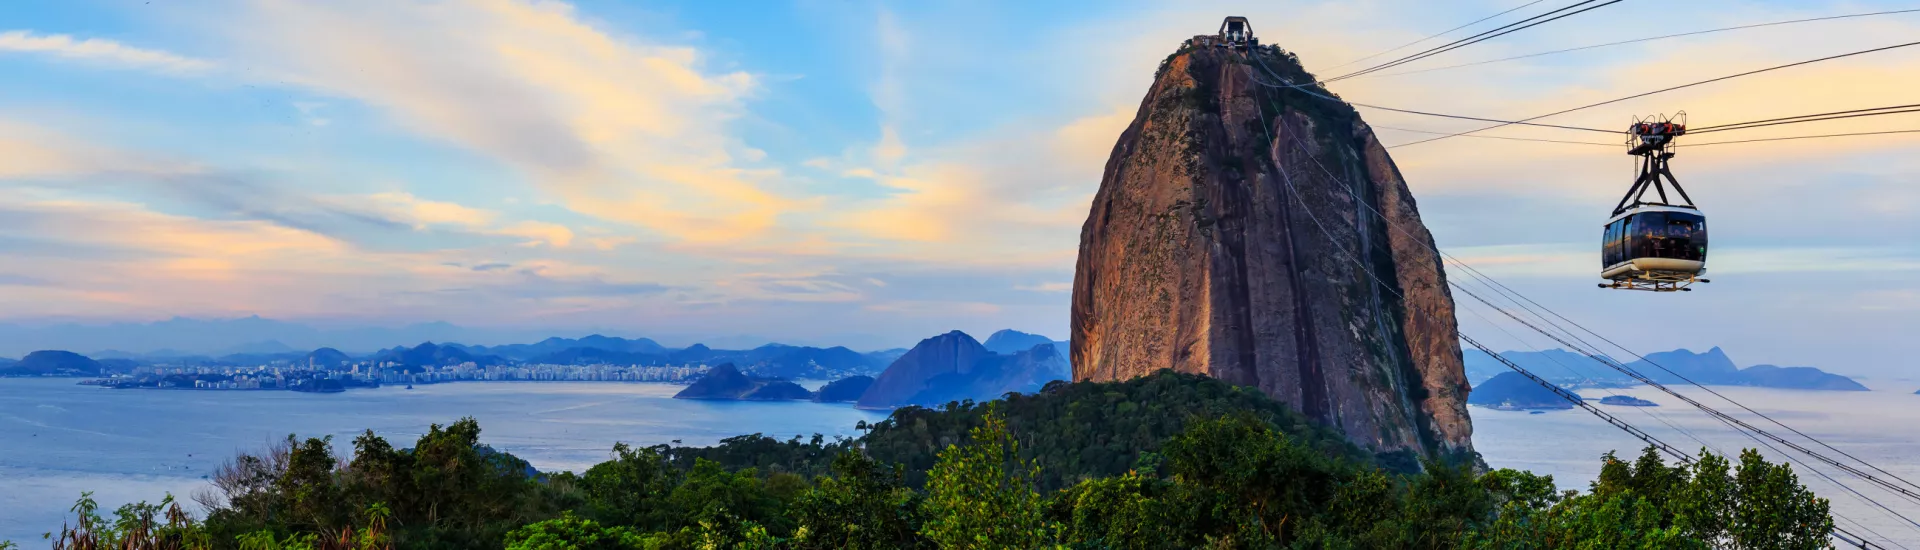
pixel 1234 235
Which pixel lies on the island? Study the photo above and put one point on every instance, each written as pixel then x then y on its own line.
pixel 726 382
pixel 1511 391
pixel 1627 401
pixel 844 390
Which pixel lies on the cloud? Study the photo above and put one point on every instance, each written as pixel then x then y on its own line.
pixel 934 308
pixel 426 212
pixel 541 233
pixel 309 111
pixel 615 127
pixel 22 280
pixel 1047 287
pixel 805 286
pixel 487 266
pixel 37 152
pixel 99 50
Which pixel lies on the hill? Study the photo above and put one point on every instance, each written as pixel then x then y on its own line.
pixel 1712 367
pixel 1799 378
pixel 1195 258
pixel 1013 341
pixel 844 390
pixel 531 352
pixel 428 354
pixel 1512 391
pixel 1077 430
pixel 1558 365
pixel 727 383
pixel 329 359
pixel 955 367
pixel 53 363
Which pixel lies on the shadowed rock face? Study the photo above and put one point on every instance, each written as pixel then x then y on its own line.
pixel 1197 257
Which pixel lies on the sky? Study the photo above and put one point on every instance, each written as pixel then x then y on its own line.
pixel 872 173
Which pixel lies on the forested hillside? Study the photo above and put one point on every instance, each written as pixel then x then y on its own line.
pixel 1164 461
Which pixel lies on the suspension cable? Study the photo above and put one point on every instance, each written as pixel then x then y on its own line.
pixel 1438 34
pixel 1801 137
pixel 1672 88
pixel 1508 138
pixel 1482 37
pixel 1837 115
pixel 1562 393
pixel 1749 429
pixel 1647 39
pixel 1442 115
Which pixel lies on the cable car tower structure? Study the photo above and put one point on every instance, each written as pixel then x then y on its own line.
pixel 1658 245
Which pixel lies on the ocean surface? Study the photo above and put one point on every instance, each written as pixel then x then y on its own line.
pixel 58 439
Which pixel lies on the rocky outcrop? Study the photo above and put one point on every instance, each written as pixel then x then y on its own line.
pixel 955 367
pixel 727 383
pixel 1013 341
pixel 1797 378
pixel 844 390
pixel 1512 391
pixel 1234 234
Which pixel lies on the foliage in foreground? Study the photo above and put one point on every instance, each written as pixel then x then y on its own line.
pixel 1232 479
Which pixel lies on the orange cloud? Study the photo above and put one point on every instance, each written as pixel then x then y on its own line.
pixel 616 128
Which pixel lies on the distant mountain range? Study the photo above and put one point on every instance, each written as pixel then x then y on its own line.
pixel 769 361
pixel 1712 367
pixel 187 337
pixel 946 368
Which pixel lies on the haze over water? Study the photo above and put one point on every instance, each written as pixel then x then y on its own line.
pixel 126 445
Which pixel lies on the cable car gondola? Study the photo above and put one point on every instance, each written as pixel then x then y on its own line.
pixel 1237 33
pixel 1659 246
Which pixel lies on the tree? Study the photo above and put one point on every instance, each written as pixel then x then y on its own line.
pixel 312 498
pixel 570 532
pixel 1258 484
pixel 632 488
pixel 1131 510
pixel 862 506
pixel 1772 510
pixel 981 495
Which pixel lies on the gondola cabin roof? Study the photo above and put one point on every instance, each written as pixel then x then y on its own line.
pixel 1654 208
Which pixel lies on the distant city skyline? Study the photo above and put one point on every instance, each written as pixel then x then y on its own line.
pixel 868 173
pixel 252 334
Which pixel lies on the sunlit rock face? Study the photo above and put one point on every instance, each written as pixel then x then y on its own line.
pixel 1197 257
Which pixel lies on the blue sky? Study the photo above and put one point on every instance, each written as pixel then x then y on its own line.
pixel 871 173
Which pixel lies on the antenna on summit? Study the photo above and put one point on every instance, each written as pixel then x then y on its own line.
pixel 1237 33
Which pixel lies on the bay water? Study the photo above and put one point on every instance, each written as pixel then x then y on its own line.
pixel 58 438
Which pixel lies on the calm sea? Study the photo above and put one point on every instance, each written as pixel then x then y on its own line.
pixel 58 439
